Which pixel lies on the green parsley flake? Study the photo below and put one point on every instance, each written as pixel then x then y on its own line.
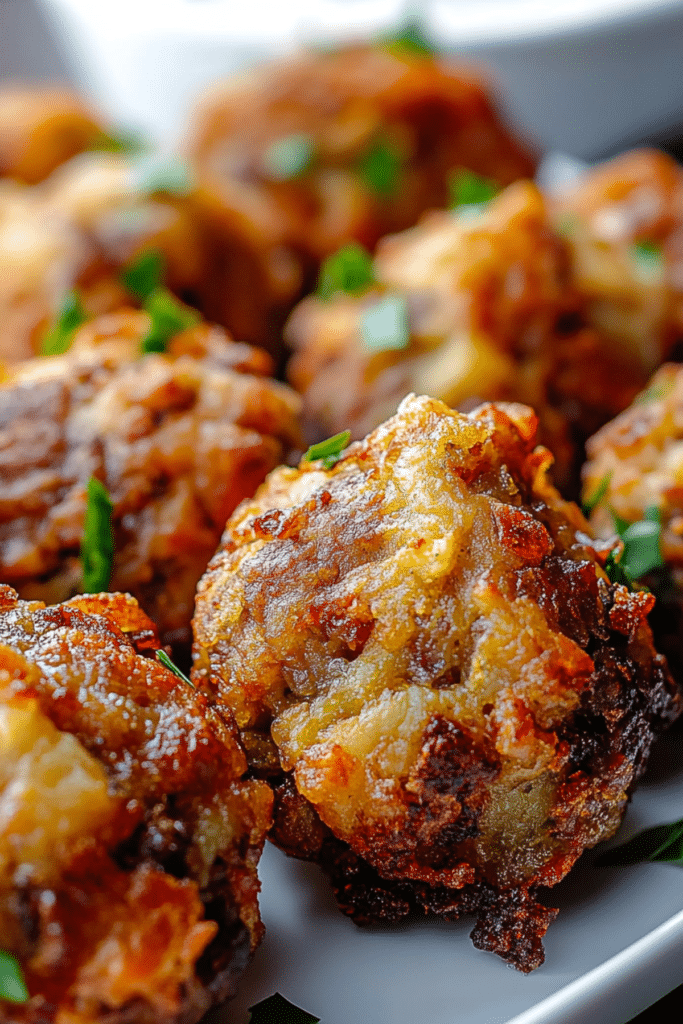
pixel 156 172
pixel 12 985
pixel 118 141
pixel 163 657
pixel 615 571
pixel 278 1010
pixel 649 259
pixel 97 545
pixel 410 39
pixel 349 270
pixel 384 325
pixel 57 339
pixel 144 275
pixel 661 843
pixel 470 189
pixel 642 545
pixel 380 169
pixel 168 318
pixel 590 504
pixel 330 450
pixel 288 158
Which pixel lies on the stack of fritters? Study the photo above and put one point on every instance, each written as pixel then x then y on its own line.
pixel 128 840
pixel 424 654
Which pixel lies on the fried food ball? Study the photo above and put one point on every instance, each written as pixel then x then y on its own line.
pixel 623 222
pixel 491 313
pixel 306 153
pixel 128 837
pixel 635 464
pixel 178 439
pixel 41 128
pixel 424 654
pixel 78 230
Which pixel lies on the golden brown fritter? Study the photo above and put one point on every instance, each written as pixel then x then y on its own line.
pixel 78 230
pixel 128 838
pixel 636 460
pixel 425 655
pixel 303 155
pixel 178 439
pixel 492 313
pixel 41 128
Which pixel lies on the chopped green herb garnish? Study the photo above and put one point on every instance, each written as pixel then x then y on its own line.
pixel 12 985
pixel 118 141
pixel 330 450
pixel 168 316
pixel 384 325
pixel 615 571
pixel 380 168
pixel 278 1010
pixel 642 545
pixel 661 843
pixel 348 270
pixel 97 545
pixel 289 157
pixel 57 339
pixel 144 274
pixel 590 504
pixel 411 39
pixel 470 189
pixel 648 248
pixel 649 258
pixel 156 172
pixel 163 657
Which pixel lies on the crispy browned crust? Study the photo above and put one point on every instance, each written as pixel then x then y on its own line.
pixel 423 653
pixel 128 851
pixel 178 439
pixel 435 116
pixel 41 128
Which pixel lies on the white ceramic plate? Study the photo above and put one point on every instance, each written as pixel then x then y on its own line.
pixel 615 948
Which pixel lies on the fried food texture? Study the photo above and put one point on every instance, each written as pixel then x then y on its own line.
pixel 128 838
pixel 304 154
pixel 424 654
pixel 492 313
pixel 636 463
pixel 177 438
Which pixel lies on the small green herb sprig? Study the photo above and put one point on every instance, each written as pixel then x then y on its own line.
pixel 660 843
pixel 469 189
pixel 411 39
pixel 163 657
pixel 168 317
pixel 380 169
pixel 642 540
pixel 278 1010
pixel 12 985
pixel 97 545
pixel 349 270
pixel 57 339
pixel 329 451
pixel 144 274
pixel 118 140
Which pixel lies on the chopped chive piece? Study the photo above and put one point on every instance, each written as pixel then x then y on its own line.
pixel 380 169
pixel 168 317
pixel 144 274
pixel 330 450
pixel 12 985
pixel 289 157
pixel 57 339
pixel 118 141
pixel 615 571
pixel 163 657
pixel 97 545
pixel 384 325
pixel 411 39
pixel 156 172
pixel 278 1010
pixel 591 503
pixel 642 545
pixel 661 843
pixel 470 189
pixel 350 270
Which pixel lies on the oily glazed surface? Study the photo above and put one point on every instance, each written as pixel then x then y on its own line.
pixel 448 695
pixel 178 439
pixel 128 840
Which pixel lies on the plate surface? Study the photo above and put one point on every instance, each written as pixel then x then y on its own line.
pixel 615 948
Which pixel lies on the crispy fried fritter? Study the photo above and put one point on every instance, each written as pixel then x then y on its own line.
pixel 306 153
pixel 638 459
pixel 425 655
pixel 493 314
pixel 128 839
pixel 178 439
pixel 41 128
